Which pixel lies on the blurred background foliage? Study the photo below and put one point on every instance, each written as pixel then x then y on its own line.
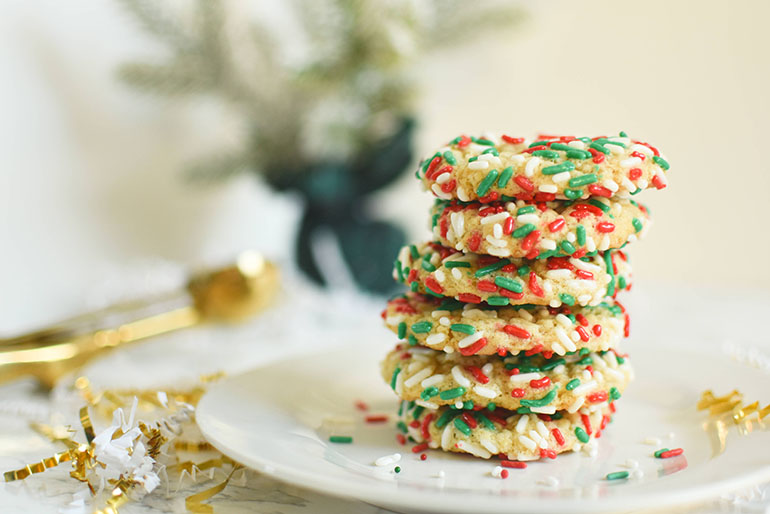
pixel 326 104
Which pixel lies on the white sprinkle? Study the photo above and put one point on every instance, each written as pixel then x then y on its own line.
pixel 590 244
pixel 547 188
pixel 459 404
pixel 628 184
pixel 489 445
pixel 671 435
pixel 525 377
pixel 528 218
pixel 487 368
pixel 642 149
pixel 525 314
pixel 583 299
pixel 605 244
pixel 631 162
pixel 499 252
pixel 565 340
pixel 387 460
pixel 427 405
pixel 521 425
pixel 584 388
pixel 478 165
pixel 561 177
pixel 536 437
pixel 419 376
pixel 574 336
pixel 432 380
pixel 456 274
pixel 494 218
pixel 497 472
pixel 438 192
pixel 563 320
pixel 462 195
pixel 615 149
pixel 457 221
pixel 486 392
pixel 550 481
pixel 446 435
pixel 500 243
pixel 573 408
pixel 558 274
pixel 586 375
pixel 497 230
pixel 542 429
pixel 611 185
pixel 558 370
pixel 636 474
pixel 527 442
pixel 399 384
pixel 440 474
pixel 457 374
pixel 631 464
pixel 571 237
pixel 559 349
pixel 444 321
pixel 533 163
pixel 435 339
pixel 469 340
pixel 545 409
pixel 652 441
pixel 471 448
pixel 440 277
pixel 548 244
pixel 444 177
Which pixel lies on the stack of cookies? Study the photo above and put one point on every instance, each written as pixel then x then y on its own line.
pixel 509 332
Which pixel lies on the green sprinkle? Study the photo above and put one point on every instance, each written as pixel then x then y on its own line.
pixel 547 154
pixel 575 153
pixel 552 364
pixel 614 393
pixel 584 351
pixel 567 299
pixel 401 426
pixel 525 210
pixel 611 287
pixel 429 392
pixel 400 270
pixel 567 247
pixel 402 330
pixel 394 377
pixel 493 151
pixel 473 159
pixel 622 282
pixel 510 284
pixel 538 143
pixel 524 270
pixel 491 406
pixel 483 188
pixel 638 190
pixel 599 204
pixel 413 251
pixel 523 230
pixel 636 222
pixel 468 404
pixel 414 286
pixel 616 143
pixel 580 232
pixel 608 263
pixel 599 148
pixel 341 439
pixel 620 359
pixel 463 327
pixel 498 301
pixel 422 327
pixel 660 161
pixel 558 168
pixel 462 426
pixel 434 220
pixel 545 400
pixel 581 435
pixel 623 134
pixel 573 194
pixel 450 304
pixel 485 421
pixel 486 270
pixel 444 418
pixel 585 361
pixel 583 180
pixel 427 266
pixel 427 161
pixel 572 318
pixel 397 469
pixel 451 394
pixel 617 475
pixel 659 452
pixel 561 146
pixel 572 384
pixel 482 141
pixel 523 410
pixel 505 176
pixel 457 264
pixel 412 340
pixel 449 157
pixel 417 411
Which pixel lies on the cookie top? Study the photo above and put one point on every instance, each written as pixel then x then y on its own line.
pixel 434 269
pixel 469 329
pixel 490 168
pixel 524 383
pixel 538 230
pixel 486 433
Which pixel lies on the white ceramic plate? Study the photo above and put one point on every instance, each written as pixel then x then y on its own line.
pixel 278 420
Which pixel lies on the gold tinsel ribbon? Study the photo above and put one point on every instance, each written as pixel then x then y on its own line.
pixel 82 455
pixel 731 403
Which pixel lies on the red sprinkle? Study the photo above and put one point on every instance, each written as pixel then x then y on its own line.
pixel 477 374
pixel 545 197
pixel 361 405
pixel 449 186
pixel 547 452
pixel 440 171
pixel 605 227
pixel 376 418
pixel 415 424
pixel 558 436
pixel 535 349
pixel 419 447
pixel 658 182
pixel 504 473
pixel 518 393
pixel 597 330
pixel 512 140
pixel 511 294
pixel 598 156
pixel 530 240
pixel 443 225
pixel 671 453
pixel 432 166
pixel 540 383
pixel 491 197
pixel 597 190
pixel 474 348
pixel 468 298
pixel 508 226
pixel 634 173
pixel 513 464
pixel 534 286
pixel 487 285
pixel 583 333
pixel 496 419
pixel 432 284
pixel 401 438
pixel 597 397
pixel 424 428
pixel 585 275
pixel 605 420
pixel 516 331
pixel 469 420
pixel 586 423
pixel 524 183
pixel 474 241
pixel 581 319
pixel 638 154
pixel 612 407
pixel 556 225
pixel 423 457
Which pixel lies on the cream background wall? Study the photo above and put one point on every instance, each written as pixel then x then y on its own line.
pixel 90 171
